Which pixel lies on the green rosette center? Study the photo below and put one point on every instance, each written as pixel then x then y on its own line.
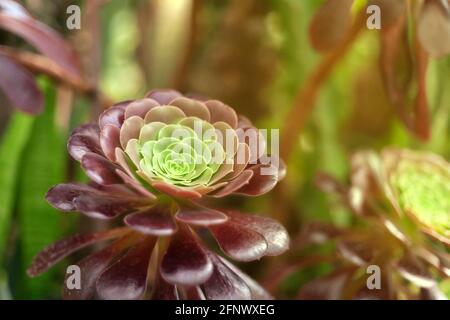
pixel 424 190
pixel 177 154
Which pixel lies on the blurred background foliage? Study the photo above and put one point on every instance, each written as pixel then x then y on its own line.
pixel 253 54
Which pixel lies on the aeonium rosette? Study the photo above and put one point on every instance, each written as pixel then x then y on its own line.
pixel 401 202
pixel 153 161
pixel 418 185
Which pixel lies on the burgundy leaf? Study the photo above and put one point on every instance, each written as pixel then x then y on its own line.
pixel 258 292
pixel 104 207
pixel 114 115
pixel 61 196
pixel 90 129
pixel 84 139
pixel 57 251
pixel 109 140
pixel 274 233
pixel 193 293
pixel 93 202
pixel 200 216
pixel 127 278
pixel 135 185
pixel 185 261
pixel 14 18
pixel 164 290
pixel 224 284
pixel 99 169
pixel 234 185
pixel 175 191
pixel 239 242
pixel 19 87
pixel 156 221
pixel 261 182
pixel 93 265
pixel 140 107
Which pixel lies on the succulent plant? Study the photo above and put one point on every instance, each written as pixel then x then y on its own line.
pixel 61 60
pixel 400 199
pixel 420 185
pixel 404 59
pixel 153 161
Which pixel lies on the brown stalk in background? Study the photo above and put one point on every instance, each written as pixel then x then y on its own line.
pixel 302 108
pixel 92 55
pixel 304 102
pixel 41 64
pixel 180 74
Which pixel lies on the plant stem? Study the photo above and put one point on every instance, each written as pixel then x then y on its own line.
pixel 304 102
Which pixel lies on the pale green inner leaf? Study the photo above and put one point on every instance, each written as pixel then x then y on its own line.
pixel 424 190
pixel 177 154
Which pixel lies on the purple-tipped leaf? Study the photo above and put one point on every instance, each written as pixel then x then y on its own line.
pixel 127 278
pixel 19 87
pixel 57 251
pixel 185 261
pixel 14 18
pixel 274 233
pixel 93 265
pixel 156 221
pixel 94 202
pixel 224 284
pixel 84 139
pixel 200 216
pixel 99 169
pixel 239 242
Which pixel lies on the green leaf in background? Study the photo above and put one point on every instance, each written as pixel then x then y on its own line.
pixel 11 149
pixel 43 165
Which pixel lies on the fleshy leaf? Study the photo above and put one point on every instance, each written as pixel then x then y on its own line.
pixel 239 242
pixel 275 234
pixel 127 278
pixel 224 284
pixel 156 221
pixel 14 18
pixel 19 86
pixel 185 261
pixel 59 250
pixel 200 216
pixel 93 265
pixel 99 169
